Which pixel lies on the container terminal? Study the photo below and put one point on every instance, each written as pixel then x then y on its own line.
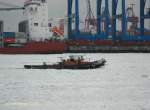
pixel 100 33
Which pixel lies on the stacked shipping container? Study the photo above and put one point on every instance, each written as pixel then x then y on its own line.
pixel 8 37
pixel 14 37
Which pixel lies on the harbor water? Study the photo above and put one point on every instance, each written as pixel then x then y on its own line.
pixel 122 84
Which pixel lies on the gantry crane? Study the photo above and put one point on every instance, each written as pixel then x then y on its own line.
pixel 77 34
pixel 124 35
pixel 143 16
pixel 132 18
pixel 90 19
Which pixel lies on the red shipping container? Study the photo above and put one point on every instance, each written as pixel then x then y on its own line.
pixel 9 40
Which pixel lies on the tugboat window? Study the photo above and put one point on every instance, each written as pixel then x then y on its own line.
pixel 35 24
pixel 43 1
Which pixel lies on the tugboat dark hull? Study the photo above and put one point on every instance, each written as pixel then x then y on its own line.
pixel 88 65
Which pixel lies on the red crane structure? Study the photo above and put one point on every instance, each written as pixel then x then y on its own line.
pixel 90 19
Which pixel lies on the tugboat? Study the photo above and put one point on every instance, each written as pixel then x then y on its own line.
pixel 74 62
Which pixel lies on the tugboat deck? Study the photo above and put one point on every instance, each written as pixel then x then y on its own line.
pixel 71 63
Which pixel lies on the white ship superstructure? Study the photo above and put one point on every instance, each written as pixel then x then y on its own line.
pixel 36 13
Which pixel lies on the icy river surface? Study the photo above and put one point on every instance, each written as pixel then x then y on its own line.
pixel 122 84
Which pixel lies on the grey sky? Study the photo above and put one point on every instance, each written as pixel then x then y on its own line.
pixel 57 8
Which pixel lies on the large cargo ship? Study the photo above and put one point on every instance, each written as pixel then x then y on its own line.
pixel 107 32
pixel 106 46
pixel 42 47
pixel 34 36
pixel 17 43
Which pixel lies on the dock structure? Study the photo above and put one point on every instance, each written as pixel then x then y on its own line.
pixel 110 21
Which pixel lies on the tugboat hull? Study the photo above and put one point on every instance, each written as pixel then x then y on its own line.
pixel 88 65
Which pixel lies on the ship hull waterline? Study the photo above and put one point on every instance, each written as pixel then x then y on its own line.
pixel 89 65
pixel 49 47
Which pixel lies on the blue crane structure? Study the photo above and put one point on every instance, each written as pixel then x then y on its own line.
pixel 110 28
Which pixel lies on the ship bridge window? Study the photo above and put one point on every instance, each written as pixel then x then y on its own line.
pixel 35 24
